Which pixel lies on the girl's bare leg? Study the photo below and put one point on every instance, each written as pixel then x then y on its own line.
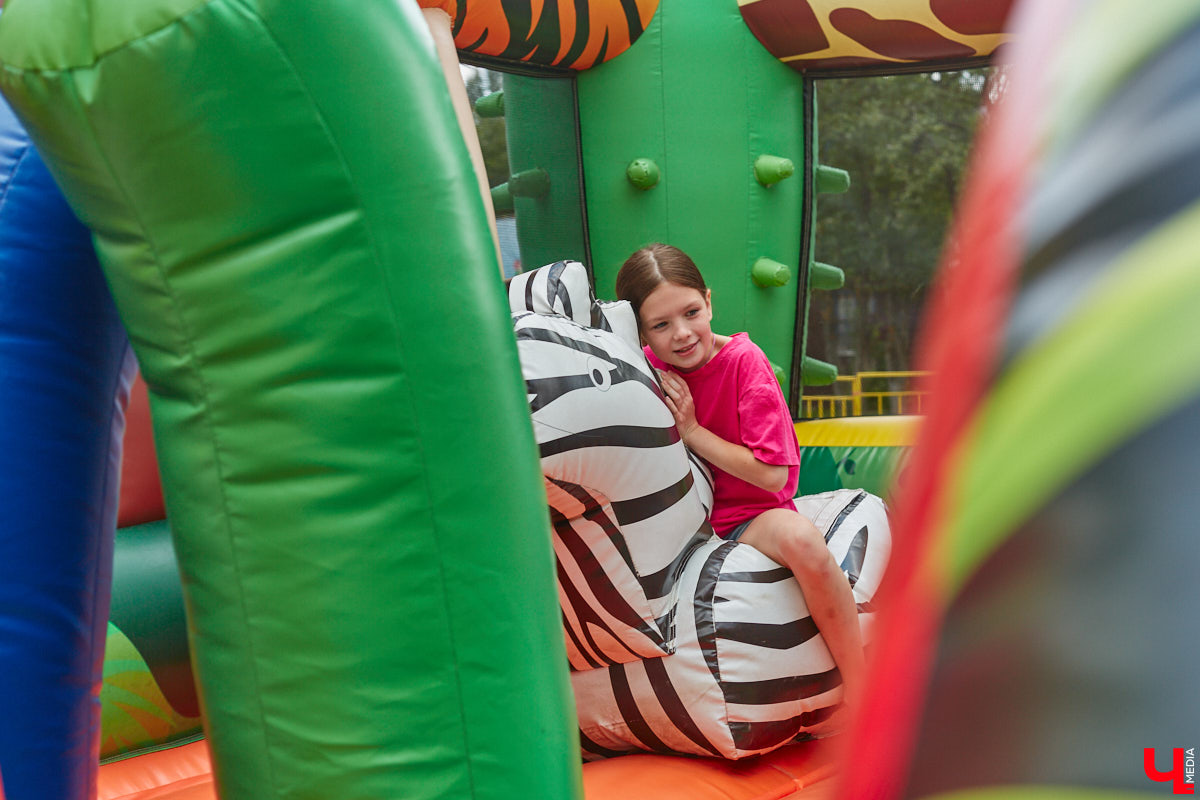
pixel 792 540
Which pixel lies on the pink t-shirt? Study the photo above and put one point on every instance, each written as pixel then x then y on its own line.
pixel 738 398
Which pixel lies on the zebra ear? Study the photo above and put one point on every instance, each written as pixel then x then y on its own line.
pixel 560 288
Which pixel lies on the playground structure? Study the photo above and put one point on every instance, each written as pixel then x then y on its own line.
pixel 1008 456
pixel 868 393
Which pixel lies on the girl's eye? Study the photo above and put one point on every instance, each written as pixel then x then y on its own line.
pixel 693 312
pixel 658 326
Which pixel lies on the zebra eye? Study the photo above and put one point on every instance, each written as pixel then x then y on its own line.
pixel 600 372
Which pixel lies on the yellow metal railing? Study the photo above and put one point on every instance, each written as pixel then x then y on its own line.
pixel 859 395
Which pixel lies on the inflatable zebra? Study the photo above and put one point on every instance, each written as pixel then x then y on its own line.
pixel 678 641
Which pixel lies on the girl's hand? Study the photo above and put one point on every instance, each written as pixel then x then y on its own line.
pixel 679 400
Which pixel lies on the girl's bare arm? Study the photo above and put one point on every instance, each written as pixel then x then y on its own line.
pixel 730 457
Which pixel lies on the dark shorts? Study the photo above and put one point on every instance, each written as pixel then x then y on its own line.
pixel 737 532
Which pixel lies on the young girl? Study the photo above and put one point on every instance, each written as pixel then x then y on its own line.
pixel 730 411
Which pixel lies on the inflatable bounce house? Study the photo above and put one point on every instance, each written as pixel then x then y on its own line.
pixel 300 501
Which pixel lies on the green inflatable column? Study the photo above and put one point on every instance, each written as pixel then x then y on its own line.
pixel 539 115
pixel 700 97
pixel 288 219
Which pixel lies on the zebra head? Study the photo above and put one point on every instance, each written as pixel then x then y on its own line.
pixel 627 499
pixel 597 405
pixel 589 388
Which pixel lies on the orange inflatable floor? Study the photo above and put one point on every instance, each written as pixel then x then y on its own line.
pixel 798 770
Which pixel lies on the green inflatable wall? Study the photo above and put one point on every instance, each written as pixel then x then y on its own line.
pixel 287 218
pixel 702 99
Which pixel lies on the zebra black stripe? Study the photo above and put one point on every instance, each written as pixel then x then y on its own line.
pixel 764 576
pixel 544 391
pixel 588 617
pixel 777 636
pixel 706 588
pixel 609 597
pixel 599 319
pixel 557 290
pixel 841 517
pixel 855 556
pixel 764 735
pixel 780 690
pixel 593 512
pixel 612 436
pixel 657 584
pixel 570 632
pixel 661 583
pixel 673 706
pixel 641 508
pixel 555 387
pixel 627 705
pixel 529 292
pixel 590 747
pixel 629 371
pixel 702 469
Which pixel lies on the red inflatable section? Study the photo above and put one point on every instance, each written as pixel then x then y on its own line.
pixel 141 491
pixel 796 771
pixel 960 347
pixel 179 773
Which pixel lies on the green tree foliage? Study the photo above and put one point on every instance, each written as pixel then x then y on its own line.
pixel 905 140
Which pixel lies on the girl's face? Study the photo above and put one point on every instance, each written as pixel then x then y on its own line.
pixel 676 322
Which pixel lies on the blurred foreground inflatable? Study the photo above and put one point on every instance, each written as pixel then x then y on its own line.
pixel 1037 628
pixel 263 246
pixel 1038 636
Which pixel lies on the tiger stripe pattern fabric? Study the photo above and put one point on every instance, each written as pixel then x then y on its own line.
pixel 679 642
pixel 568 34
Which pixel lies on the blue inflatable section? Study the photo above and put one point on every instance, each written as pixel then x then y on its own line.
pixel 65 371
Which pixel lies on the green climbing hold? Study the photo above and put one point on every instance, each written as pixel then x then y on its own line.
pixel 826 277
pixel 490 105
pixel 770 170
pixel 831 180
pixel 768 273
pixel 816 372
pixel 643 173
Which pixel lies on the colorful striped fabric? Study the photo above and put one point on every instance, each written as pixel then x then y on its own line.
pixel 1039 614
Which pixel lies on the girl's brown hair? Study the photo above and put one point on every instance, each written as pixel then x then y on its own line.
pixel 652 265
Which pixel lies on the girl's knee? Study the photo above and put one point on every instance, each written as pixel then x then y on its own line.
pixel 808 530
pixel 787 533
pixel 806 541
